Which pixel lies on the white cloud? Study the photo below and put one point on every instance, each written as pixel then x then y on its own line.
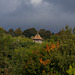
pixel 35 2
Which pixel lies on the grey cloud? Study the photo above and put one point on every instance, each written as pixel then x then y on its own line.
pixel 66 5
pixel 50 14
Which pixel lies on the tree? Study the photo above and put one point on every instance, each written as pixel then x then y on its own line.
pixel 1 31
pixel 18 32
pixel 65 31
pixel 48 34
pixel 68 30
pixel 30 32
pixel 11 31
pixel 71 70
pixel 74 30
pixel 5 43
pixel 42 33
pixel 45 33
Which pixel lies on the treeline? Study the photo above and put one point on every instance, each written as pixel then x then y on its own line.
pixel 45 34
pixel 29 32
pixel 19 55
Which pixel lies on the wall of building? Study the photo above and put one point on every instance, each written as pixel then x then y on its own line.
pixel 37 41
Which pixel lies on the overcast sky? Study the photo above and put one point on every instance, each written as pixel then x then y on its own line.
pixel 48 14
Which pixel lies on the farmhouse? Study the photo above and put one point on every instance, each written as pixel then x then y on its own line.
pixel 37 38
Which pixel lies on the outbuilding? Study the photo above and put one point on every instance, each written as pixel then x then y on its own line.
pixel 37 38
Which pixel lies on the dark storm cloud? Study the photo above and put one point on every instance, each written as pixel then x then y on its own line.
pixel 49 14
pixel 66 5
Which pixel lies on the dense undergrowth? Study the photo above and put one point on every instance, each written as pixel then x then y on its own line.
pixel 21 56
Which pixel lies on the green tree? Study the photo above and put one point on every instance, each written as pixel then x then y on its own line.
pixel 48 34
pixel 30 32
pixel 5 42
pixel 18 32
pixel 2 31
pixel 65 31
pixel 11 31
pixel 65 55
pixel 42 33
pixel 74 30
pixel 45 33
pixel 71 70
pixel 68 30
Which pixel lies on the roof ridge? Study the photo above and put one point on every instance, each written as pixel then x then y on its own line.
pixel 37 36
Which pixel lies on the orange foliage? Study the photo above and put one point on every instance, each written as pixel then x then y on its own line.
pixel 52 46
pixel 48 49
pixel 44 62
pixel 57 45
